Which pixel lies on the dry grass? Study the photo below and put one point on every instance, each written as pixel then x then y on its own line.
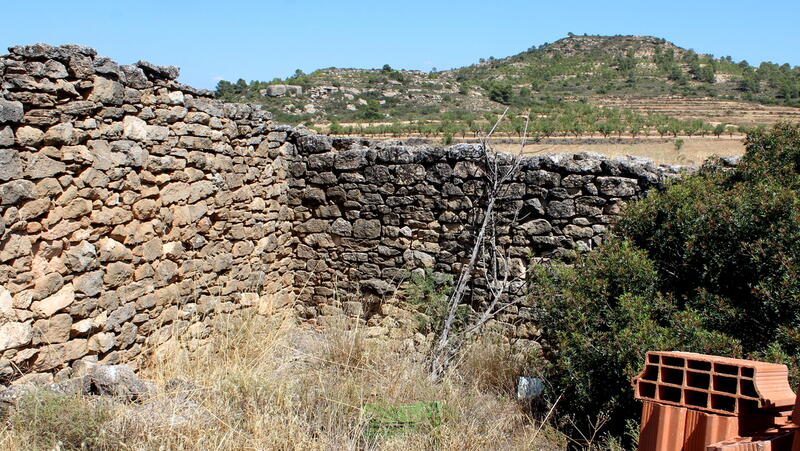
pixel 269 383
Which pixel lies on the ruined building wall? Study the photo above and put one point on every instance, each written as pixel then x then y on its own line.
pixel 134 209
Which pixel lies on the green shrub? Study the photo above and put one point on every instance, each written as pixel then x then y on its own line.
pixel 708 265
pixel 428 293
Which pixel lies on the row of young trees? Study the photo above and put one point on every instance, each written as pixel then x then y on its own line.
pixel 548 120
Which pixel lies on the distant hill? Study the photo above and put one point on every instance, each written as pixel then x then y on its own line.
pixel 583 80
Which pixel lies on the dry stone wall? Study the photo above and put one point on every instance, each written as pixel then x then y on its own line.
pixel 366 215
pixel 135 209
pixel 132 208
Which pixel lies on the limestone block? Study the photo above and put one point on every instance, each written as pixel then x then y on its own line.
pixel 13 335
pixel 54 303
pixel 51 356
pixel 53 330
pixel 117 274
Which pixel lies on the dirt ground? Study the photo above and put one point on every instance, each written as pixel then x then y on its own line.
pixel 694 150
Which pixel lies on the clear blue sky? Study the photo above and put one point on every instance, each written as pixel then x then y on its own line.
pixel 260 40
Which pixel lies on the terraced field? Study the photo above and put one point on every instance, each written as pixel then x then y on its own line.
pixel 715 111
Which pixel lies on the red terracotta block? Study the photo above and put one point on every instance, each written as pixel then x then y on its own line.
pixel 713 384
pixel 662 427
pixel 703 429
pixel 781 441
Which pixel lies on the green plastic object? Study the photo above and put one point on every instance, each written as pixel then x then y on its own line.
pixel 387 420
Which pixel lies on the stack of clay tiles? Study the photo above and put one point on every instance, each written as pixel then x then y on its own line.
pixel 697 402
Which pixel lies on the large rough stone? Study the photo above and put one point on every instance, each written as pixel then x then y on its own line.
pixel 28 136
pixel 366 228
pixel 52 356
pixel 117 273
pixel 617 186
pixel 82 257
pixel 116 380
pixel 53 330
pixel 89 284
pixel 14 335
pixel 15 246
pixel 107 91
pixel 134 128
pixel 40 166
pixel 341 227
pixel 10 165
pixel 10 111
pixel 101 342
pixel 47 285
pixel 52 304
pixel 16 190
pixel 6 137
pixel 536 227
pixel 314 143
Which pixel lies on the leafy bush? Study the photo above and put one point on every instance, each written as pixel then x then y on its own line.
pixel 708 265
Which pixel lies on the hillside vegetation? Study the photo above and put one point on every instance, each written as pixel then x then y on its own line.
pixel 575 86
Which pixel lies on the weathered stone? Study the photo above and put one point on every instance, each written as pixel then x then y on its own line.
pixel 77 208
pixel 536 227
pixel 63 134
pixel 6 137
pixel 52 304
pixel 366 228
pixel 10 165
pixel 418 258
pixel 28 136
pixel 101 342
pixel 15 191
pixel 52 356
pixel 34 209
pixel 616 186
pixel 107 91
pixel 14 246
pixel 10 111
pixel 13 335
pixel 82 257
pixel 173 250
pixel 89 284
pixel 341 227
pixel 120 316
pixel 53 330
pixel 40 166
pixel 175 192
pixel 117 274
pixel 112 250
pixel 116 380
pixel 145 209
pixel 47 285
